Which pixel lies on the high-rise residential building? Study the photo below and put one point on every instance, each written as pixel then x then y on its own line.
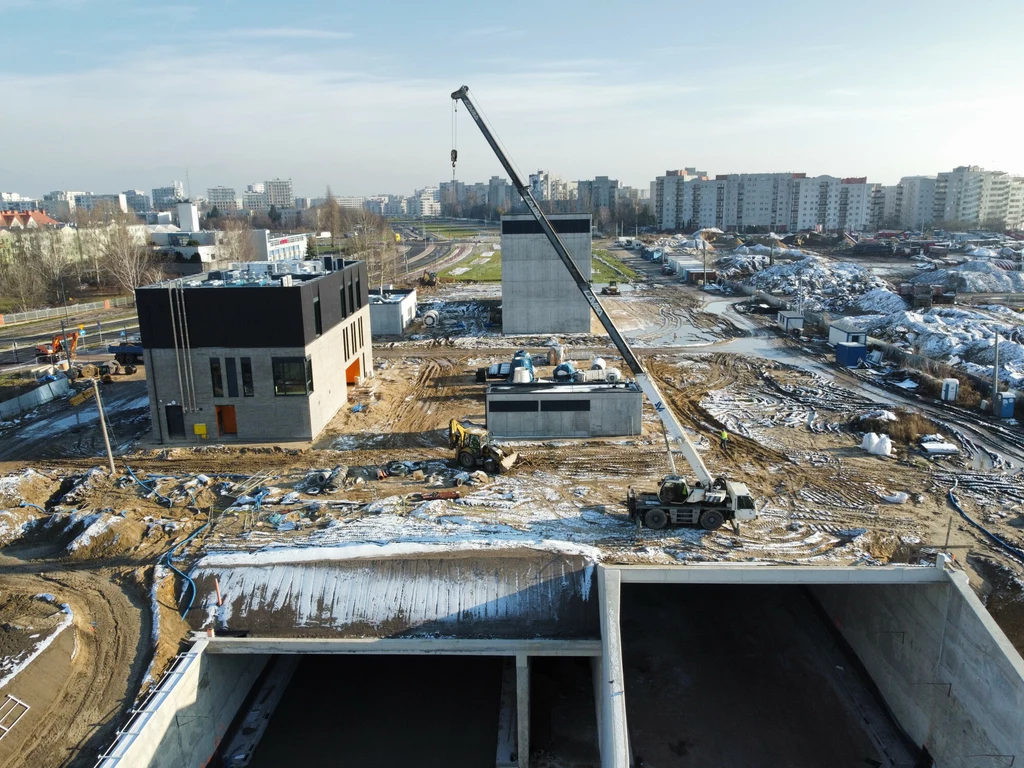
pixel 224 199
pixel 255 198
pixel 424 203
pixel 90 202
pixel 165 198
pixel 60 204
pixel 910 204
pixel 970 195
pixel 12 201
pixel 138 201
pixel 499 193
pixel 280 193
pixel 667 198
pixel 597 193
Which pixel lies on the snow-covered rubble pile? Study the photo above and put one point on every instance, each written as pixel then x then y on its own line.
pixel 958 336
pixel 740 263
pixel 825 284
pixel 975 277
pixel 95 526
pixel 879 301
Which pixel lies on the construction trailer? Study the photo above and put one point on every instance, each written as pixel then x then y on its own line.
pixel 850 354
pixel 843 332
pixel 391 310
pixel 546 410
pixel 790 320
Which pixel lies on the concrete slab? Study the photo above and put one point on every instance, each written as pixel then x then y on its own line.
pixel 743 573
pixel 427 646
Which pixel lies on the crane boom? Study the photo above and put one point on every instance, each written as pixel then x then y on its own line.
pixel 673 431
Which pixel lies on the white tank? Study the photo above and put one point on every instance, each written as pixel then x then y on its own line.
pixel 431 318
pixel 598 364
pixel 613 375
pixel 521 376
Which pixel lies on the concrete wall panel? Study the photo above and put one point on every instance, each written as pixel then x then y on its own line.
pixel 948 673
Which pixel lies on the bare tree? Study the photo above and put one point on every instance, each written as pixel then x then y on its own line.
pixel 333 217
pixel 237 244
pixel 20 279
pixel 128 261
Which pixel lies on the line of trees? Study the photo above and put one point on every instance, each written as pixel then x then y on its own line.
pixel 107 249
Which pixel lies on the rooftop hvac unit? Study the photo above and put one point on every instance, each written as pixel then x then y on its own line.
pixel 286 281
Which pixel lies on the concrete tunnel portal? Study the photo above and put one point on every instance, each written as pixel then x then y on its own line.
pixel 701 665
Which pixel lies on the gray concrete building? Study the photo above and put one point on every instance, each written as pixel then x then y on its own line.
pixel 391 310
pixel 564 410
pixel 254 356
pixel 538 293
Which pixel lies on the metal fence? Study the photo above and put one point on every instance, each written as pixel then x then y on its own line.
pixel 46 314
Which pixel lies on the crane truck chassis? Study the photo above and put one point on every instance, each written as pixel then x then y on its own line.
pixel 718 496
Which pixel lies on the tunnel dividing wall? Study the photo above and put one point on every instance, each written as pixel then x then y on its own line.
pixel 949 675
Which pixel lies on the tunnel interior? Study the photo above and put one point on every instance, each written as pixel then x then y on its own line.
pixel 749 675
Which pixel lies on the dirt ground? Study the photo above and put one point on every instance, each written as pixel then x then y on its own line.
pixel 793 440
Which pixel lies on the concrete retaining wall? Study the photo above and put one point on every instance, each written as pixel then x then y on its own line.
pixel 948 673
pixel 182 724
pixel 38 396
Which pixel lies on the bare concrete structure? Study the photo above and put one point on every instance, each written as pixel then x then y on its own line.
pixel 538 294
pixel 391 310
pixel 564 410
pixel 948 674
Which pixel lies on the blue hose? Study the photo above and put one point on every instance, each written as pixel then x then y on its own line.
pixel 1017 553
pixel 34 506
pixel 154 491
pixel 187 579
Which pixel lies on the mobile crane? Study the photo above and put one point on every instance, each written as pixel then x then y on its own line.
pixel 712 500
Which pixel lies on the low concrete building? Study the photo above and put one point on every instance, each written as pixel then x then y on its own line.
pixel 255 355
pixel 564 410
pixel 842 331
pixel 391 311
pixel 278 247
pixel 538 293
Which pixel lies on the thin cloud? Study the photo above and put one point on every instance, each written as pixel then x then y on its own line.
pixel 294 33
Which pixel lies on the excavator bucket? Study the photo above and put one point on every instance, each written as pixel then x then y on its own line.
pixel 509 461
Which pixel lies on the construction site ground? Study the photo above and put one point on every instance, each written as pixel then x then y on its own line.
pixel 93 541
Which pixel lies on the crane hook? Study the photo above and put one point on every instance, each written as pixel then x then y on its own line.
pixel 455 156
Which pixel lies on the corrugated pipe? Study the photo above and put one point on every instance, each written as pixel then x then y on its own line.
pixel 154 491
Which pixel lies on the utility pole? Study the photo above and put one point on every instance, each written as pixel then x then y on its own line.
pixel 103 426
pixel 995 378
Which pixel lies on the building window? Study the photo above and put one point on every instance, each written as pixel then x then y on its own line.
pixel 292 375
pixel 344 334
pixel 360 333
pixel 344 307
pixel 218 383
pixel 359 293
pixel 565 405
pixel 229 363
pixel 317 321
pixel 351 297
pixel 512 406
pixel 247 388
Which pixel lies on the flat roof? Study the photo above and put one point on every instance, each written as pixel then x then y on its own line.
pixel 554 388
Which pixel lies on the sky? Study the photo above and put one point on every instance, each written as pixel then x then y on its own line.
pixel 108 95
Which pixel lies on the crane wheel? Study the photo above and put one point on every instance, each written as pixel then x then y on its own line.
pixel 656 519
pixel 710 519
pixel 466 460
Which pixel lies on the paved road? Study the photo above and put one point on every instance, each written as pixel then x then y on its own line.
pixel 65 430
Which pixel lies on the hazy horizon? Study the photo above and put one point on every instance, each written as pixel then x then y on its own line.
pixel 107 95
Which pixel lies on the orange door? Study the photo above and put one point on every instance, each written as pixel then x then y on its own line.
pixel 352 372
pixel 227 424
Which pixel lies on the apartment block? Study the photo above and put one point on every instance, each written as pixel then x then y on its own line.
pixel 298 338
pixel 165 198
pixel 138 201
pixel 224 199
pixel 279 193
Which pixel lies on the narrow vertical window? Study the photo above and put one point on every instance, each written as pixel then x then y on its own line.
pixel 229 364
pixel 359 293
pixel 344 307
pixel 218 383
pixel 247 388
pixel 344 333
pixel 317 321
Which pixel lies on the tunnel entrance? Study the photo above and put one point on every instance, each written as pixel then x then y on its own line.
pixel 386 711
pixel 745 675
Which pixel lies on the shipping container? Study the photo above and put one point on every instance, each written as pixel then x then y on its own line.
pixel 849 354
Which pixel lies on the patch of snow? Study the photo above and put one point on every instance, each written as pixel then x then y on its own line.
pixel 95 525
pixel 22 663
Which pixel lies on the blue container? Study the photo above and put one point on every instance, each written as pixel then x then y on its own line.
pixel 1005 402
pixel 850 354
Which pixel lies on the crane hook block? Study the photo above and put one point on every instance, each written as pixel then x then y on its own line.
pixel 455 156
